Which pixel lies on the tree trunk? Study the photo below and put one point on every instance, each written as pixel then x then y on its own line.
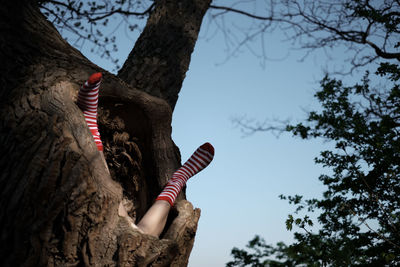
pixel 59 205
pixel 161 56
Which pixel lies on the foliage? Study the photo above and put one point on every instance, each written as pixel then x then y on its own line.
pixel 259 256
pixel 360 210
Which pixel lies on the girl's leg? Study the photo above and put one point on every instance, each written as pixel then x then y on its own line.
pixel 153 222
pixel 87 101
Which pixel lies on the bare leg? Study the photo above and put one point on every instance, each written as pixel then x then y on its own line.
pixel 154 220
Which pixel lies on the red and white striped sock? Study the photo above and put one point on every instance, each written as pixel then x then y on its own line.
pixel 197 162
pixel 87 101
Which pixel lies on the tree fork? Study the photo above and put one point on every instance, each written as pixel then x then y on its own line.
pixel 59 205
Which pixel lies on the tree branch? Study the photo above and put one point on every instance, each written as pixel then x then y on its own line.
pixel 382 53
pixel 238 11
pixel 101 15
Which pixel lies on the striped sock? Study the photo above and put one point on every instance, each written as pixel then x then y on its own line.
pixel 87 101
pixel 197 162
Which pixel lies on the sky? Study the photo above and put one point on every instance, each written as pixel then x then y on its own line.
pixel 238 192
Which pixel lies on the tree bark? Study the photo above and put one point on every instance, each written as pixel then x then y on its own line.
pixel 161 56
pixel 59 205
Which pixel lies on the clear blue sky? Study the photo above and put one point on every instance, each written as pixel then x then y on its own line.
pixel 238 192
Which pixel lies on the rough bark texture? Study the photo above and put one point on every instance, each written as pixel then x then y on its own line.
pixel 161 56
pixel 59 205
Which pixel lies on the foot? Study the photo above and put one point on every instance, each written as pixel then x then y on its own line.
pixel 200 159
